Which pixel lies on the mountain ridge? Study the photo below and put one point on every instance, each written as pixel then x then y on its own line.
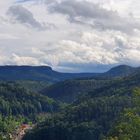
pixel 46 73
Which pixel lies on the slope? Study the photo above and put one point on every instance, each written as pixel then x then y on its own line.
pixel 45 73
pixel 91 116
pixel 15 100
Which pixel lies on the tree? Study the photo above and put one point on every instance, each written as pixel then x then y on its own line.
pixel 128 127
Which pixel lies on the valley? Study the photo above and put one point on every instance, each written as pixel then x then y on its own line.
pixel 69 70
pixel 77 107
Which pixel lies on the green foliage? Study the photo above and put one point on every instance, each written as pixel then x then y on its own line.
pixel 93 115
pixel 33 86
pixel 18 105
pixel 8 125
pixel 15 100
pixel 128 127
pixel 89 119
pixel 68 91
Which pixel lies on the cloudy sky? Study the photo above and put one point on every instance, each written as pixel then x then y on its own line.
pixel 70 35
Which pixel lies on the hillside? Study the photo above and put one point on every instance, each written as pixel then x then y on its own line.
pixel 41 73
pixel 15 100
pixel 33 86
pixel 121 70
pixel 97 101
pixel 47 74
pixel 68 91
pixel 92 116
pixel 37 73
pixel 19 104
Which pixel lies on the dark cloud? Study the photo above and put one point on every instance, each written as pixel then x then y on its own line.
pixel 92 14
pixel 24 16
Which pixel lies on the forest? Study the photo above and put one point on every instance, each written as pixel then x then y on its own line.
pixel 99 108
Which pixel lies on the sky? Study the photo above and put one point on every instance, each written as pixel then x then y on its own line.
pixel 70 35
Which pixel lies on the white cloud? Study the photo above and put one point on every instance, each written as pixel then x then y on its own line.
pixel 95 48
pixel 22 60
pixel 70 46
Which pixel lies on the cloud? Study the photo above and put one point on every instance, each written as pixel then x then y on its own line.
pixel 96 50
pixel 7 36
pixel 37 1
pixel 85 36
pixel 24 16
pixel 23 60
pixel 84 12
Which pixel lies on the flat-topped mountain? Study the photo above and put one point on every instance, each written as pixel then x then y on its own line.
pixel 37 73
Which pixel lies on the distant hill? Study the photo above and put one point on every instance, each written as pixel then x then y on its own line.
pixel 68 91
pixel 45 73
pixel 121 70
pixel 37 73
pixel 41 73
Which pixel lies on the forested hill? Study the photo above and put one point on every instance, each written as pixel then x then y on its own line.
pixel 92 102
pixel 45 73
pixel 107 113
pixel 70 90
pixel 15 100
pixel 37 73
pixel 97 100
pixel 121 70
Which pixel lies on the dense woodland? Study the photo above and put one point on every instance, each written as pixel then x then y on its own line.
pixel 70 90
pixel 95 114
pixel 92 108
pixel 91 119
pixel 127 127
pixel 15 100
pixel 18 105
